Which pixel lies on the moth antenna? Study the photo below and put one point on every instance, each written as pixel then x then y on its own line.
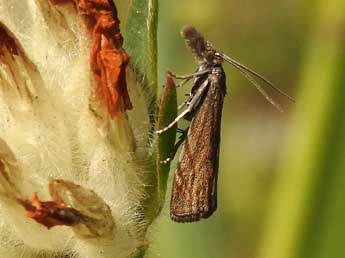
pixel 247 69
pixel 258 87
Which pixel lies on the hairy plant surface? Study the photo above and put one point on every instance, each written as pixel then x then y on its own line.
pixel 79 175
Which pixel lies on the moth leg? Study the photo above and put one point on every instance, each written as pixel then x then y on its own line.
pixel 186 102
pixel 192 103
pixel 183 105
pixel 188 77
pixel 177 145
pixel 184 81
pixel 178 118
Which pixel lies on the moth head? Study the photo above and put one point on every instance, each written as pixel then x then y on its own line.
pixel 214 57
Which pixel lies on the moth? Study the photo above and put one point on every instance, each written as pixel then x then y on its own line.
pixel 194 190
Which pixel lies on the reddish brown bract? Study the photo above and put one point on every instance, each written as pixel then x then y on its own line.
pixel 51 213
pixel 108 59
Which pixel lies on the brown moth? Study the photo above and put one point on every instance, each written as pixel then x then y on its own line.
pixel 194 190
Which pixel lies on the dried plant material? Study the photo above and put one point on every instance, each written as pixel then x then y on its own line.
pixel 97 215
pixel 58 138
pixel 108 58
pixel 50 213
pixel 72 205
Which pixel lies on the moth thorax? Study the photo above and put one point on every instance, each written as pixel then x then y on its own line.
pixel 210 55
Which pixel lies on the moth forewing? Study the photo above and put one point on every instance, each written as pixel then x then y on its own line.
pixel 194 191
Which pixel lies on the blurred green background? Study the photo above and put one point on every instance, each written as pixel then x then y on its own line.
pixel 282 175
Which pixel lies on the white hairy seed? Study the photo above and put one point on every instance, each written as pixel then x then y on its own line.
pixel 53 133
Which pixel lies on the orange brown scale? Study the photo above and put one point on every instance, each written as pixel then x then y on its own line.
pixel 108 59
pixel 51 213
